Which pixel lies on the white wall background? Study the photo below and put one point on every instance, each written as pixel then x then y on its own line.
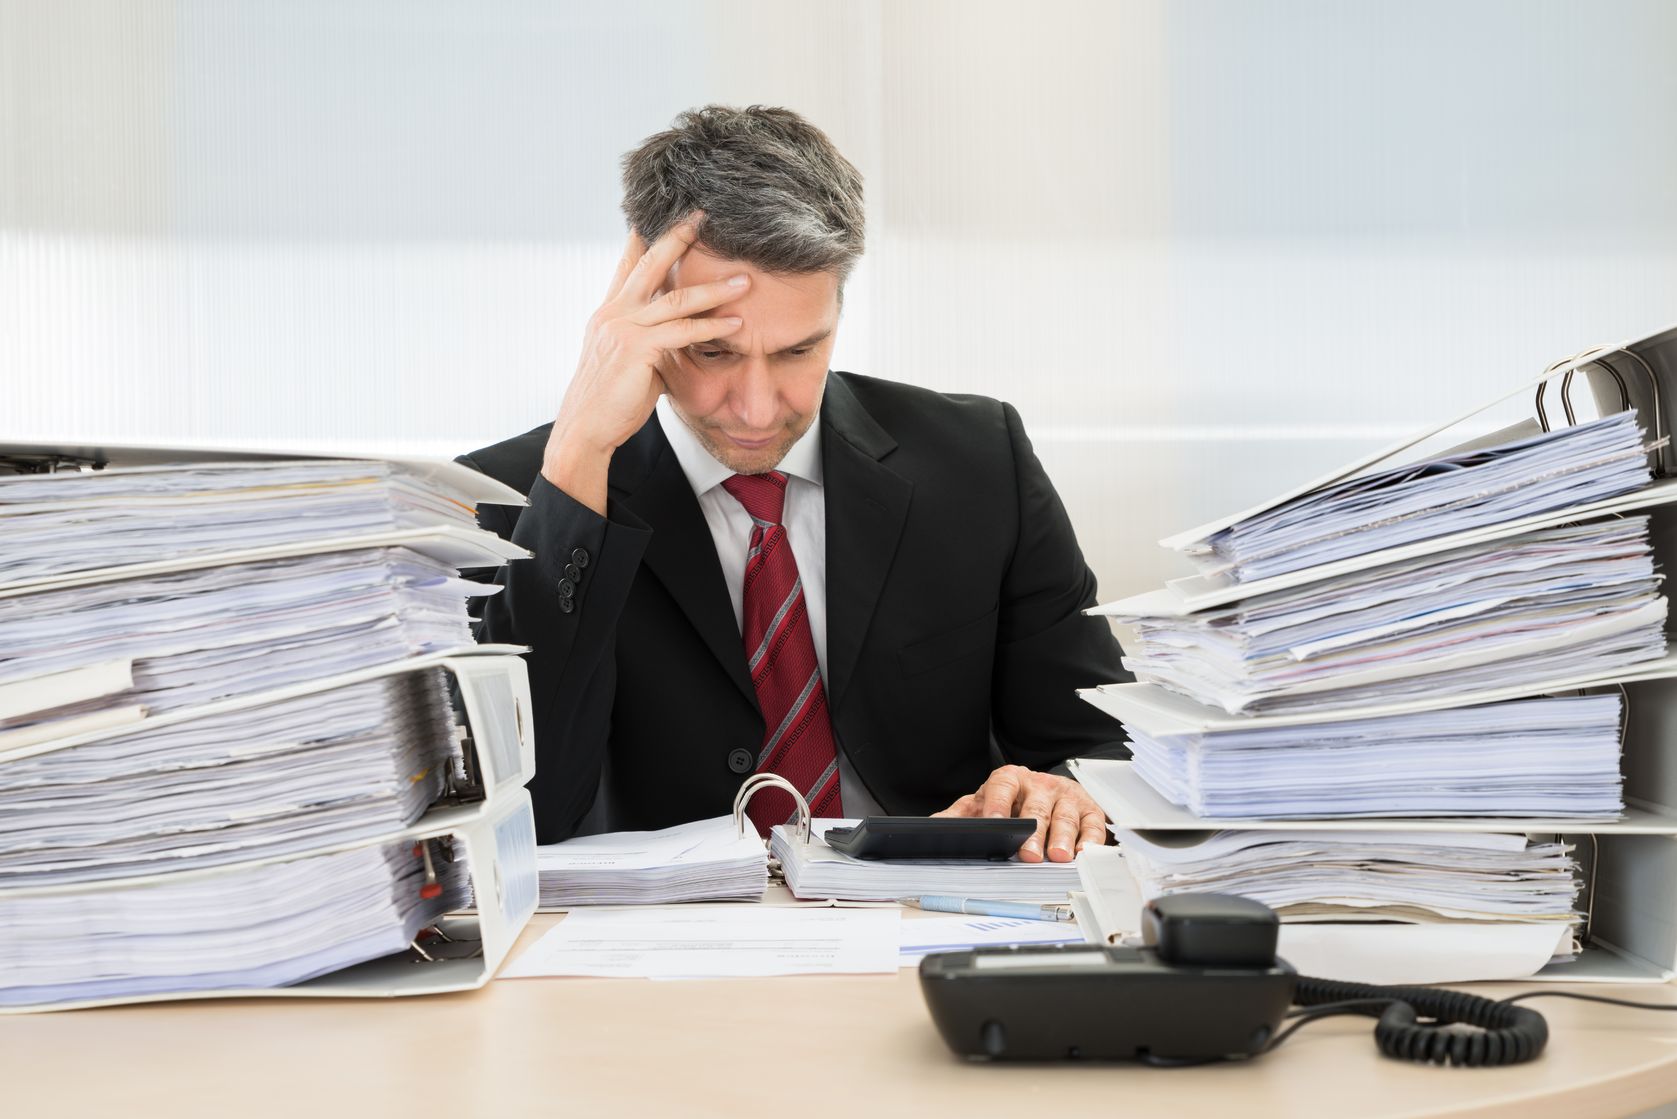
pixel 1209 247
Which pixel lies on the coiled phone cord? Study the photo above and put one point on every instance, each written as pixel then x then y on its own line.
pixel 1508 1034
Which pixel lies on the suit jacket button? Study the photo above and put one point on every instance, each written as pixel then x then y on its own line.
pixel 567 604
pixel 580 557
pixel 740 760
pixel 566 588
pixel 573 572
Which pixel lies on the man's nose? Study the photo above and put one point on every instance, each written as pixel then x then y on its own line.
pixel 754 395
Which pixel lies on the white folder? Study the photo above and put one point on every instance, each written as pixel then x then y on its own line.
pixel 496 831
pixel 498 840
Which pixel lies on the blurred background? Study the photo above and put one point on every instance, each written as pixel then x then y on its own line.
pixel 1210 248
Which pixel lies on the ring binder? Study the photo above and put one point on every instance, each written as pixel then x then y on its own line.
pixel 759 781
pixel 1598 357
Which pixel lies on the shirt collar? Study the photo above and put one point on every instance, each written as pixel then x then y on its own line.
pixel 704 473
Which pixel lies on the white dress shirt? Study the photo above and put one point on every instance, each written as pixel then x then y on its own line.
pixel 804 517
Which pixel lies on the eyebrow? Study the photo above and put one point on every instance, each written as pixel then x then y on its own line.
pixel 722 343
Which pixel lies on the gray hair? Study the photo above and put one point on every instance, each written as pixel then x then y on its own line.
pixel 775 191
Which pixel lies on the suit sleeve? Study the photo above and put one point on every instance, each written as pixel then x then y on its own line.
pixel 564 603
pixel 1047 647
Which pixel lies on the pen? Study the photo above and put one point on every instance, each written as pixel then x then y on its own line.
pixel 944 903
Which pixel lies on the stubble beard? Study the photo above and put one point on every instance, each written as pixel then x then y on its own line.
pixel 742 461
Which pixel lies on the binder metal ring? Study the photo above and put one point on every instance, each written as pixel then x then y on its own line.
pixel 1599 358
pixel 759 781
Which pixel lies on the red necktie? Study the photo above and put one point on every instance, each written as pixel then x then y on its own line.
pixel 780 655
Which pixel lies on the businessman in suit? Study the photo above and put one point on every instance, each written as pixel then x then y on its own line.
pixel 747 563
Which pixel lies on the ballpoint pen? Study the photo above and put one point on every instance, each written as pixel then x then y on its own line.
pixel 1024 910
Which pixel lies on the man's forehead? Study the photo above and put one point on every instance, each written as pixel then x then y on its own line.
pixel 701 266
pixel 780 311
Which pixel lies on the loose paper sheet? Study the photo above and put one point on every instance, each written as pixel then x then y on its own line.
pixel 711 941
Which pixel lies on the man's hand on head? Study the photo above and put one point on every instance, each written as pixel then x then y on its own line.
pixel 1067 819
pixel 617 384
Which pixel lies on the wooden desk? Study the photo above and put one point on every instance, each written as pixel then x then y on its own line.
pixel 859 1046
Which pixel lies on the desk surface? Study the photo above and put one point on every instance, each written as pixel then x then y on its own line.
pixel 754 1047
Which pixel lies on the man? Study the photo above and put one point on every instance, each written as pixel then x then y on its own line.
pixel 744 562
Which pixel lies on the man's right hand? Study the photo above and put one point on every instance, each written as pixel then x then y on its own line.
pixel 617 384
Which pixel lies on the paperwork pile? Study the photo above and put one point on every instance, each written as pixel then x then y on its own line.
pixel 1550 757
pixel 698 861
pixel 291 775
pixel 1376 649
pixel 815 870
pixel 269 926
pixel 1473 876
pixel 1466 489
pixel 1575 598
pixel 230 754
pixel 193 637
pixel 55 524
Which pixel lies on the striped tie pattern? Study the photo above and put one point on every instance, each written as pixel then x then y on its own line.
pixel 780 655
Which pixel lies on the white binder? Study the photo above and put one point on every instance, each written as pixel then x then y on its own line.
pixel 493 828
pixel 487 819
pixel 1630 897
pixel 460 546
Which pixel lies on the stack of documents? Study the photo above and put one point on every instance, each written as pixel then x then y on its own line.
pixel 1386 651
pixel 55 524
pixel 198 636
pixel 699 861
pixel 264 925
pixel 1362 875
pixel 1464 489
pixel 1553 757
pixel 291 775
pixel 1570 599
pixel 815 870
pixel 229 751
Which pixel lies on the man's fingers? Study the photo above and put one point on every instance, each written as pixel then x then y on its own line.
pixel 686 302
pixel 677 333
pixel 632 252
pixel 649 271
pixel 1063 831
pixel 997 795
pixel 1037 807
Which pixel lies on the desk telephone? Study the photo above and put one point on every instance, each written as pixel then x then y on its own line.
pixel 1204 986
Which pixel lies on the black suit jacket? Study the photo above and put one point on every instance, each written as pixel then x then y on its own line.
pixel 954 595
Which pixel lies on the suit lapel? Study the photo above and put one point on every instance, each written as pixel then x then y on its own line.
pixel 867 504
pixel 681 553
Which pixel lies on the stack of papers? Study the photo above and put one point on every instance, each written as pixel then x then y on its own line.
pixel 1386 946
pixel 815 870
pixel 264 925
pixel 54 524
pixel 194 637
pixel 293 775
pixel 1552 757
pixel 1448 493
pixel 1361 875
pixel 699 861
pixel 210 742
pixel 1571 599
